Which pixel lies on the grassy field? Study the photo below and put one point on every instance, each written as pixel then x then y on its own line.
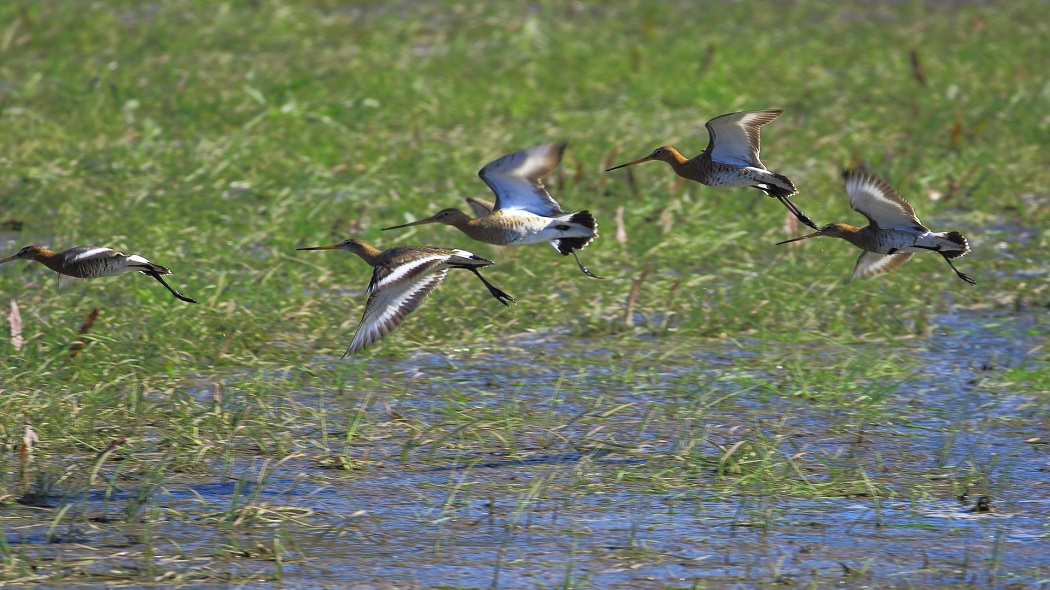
pixel 713 385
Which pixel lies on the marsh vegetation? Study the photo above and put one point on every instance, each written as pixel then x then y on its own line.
pixel 718 411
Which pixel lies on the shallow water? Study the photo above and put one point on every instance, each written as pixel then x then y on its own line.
pixel 608 474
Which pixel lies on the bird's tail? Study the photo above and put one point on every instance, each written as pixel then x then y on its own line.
pixel 569 245
pixel 465 259
pixel 958 240
pixel 136 262
pixel 778 186
pixel 150 268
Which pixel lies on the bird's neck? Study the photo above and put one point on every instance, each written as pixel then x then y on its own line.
pixel 487 229
pixel 461 222
pixel 368 253
pixel 679 162
pixel 48 258
pixel 852 234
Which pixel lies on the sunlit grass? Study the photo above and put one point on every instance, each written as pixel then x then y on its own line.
pixel 216 138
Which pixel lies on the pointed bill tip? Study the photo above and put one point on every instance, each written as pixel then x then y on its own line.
pixel 332 247
pixel 410 224
pixel 815 234
pixel 638 161
pixel 9 259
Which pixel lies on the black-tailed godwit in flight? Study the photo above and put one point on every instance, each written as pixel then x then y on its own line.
pixel 731 159
pixel 524 212
pixel 401 278
pixel 86 262
pixel 893 234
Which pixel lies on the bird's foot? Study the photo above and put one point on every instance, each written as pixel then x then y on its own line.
pixel 501 296
pixel 583 268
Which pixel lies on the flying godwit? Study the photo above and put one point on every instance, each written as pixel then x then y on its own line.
pixel 524 212
pixel 85 262
pixel 893 234
pixel 401 279
pixel 731 159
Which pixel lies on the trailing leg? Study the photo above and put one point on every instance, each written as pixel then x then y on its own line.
pixel 961 275
pixel 797 212
pixel 177 295
pixel 501 296
pixel 585 270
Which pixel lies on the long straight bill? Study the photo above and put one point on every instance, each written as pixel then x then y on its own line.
pixel 638 161
pixel 815 234
pixel 420 222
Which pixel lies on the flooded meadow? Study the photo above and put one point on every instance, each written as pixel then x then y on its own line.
pixel 721 411
pixel 563 462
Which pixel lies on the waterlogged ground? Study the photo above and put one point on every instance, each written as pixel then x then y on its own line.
pixel 604 464
pixel 842 438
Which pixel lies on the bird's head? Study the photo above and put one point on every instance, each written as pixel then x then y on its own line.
pixel 664 153
pixel 831 230
pixel 26 253
pixel 354 245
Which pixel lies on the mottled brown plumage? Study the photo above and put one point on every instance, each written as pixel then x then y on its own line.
pixel 893 234
pixel 524 212
pixel 86 262
pixel 732 159
pixel 401 278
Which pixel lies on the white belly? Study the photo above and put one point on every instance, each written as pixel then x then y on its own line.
pixel 519 230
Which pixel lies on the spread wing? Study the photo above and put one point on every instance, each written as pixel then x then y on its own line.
pixel 871 264
pixel 66 280
pixel 480 207
pixel 516 180
pixel 873 198
pixel 390 302
pixel 405 263
pixel 735 137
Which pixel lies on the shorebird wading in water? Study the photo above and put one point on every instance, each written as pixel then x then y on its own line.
pixel 524 212
pixel 85 262
pixel 401 278
pixel 731 159
pixel 893 234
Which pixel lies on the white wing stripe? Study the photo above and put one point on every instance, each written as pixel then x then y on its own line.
pixel 735 138
pixel 383 308
pixel 90 253
pixel 877 201
pixel 871 264
pixel 403 270
pixel 395 301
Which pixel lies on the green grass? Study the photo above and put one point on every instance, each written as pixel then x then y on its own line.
pixel 216 138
